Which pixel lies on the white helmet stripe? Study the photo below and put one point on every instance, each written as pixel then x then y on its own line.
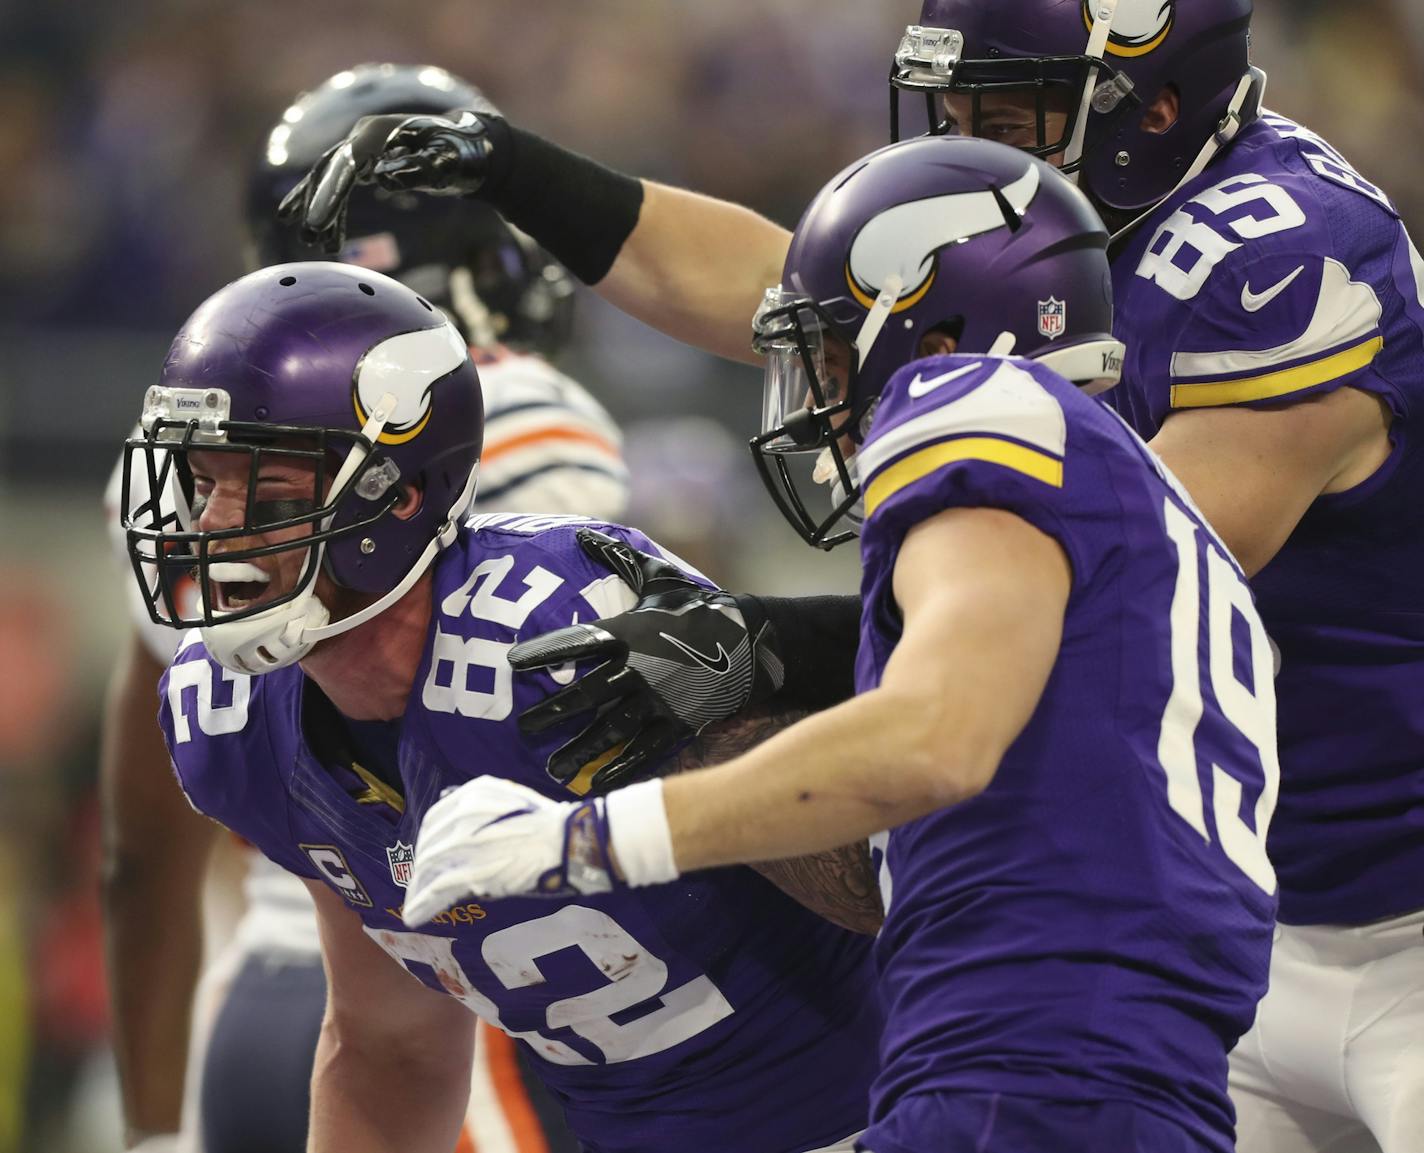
pixel 406 366
pixel 901 240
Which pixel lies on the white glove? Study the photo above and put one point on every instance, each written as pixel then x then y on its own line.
pixel 495 838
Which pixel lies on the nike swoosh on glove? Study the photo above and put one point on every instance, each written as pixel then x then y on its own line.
pixel 683 657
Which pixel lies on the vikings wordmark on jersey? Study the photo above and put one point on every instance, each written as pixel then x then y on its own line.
pixel 1278 275
pixel 1099 919
pixel 684 1014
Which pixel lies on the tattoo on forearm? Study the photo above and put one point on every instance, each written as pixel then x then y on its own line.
pixel 734 736
pixel 839 885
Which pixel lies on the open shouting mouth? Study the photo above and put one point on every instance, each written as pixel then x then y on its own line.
pixel 236 585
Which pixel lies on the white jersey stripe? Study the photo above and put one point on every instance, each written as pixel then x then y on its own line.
pixel 1346 312
pixel 1010 403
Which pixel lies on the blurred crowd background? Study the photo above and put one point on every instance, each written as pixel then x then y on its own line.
pixel 126 135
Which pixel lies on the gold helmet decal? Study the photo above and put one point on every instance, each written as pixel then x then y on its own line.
pixel 1139 27
pixel 903 241
pixel 407 367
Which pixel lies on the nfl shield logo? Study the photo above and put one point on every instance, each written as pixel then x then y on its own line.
pixel 1052 318
pixel 401 857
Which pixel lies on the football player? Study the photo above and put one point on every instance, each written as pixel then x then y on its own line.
pixel 549 447
pixel 314 445
pixel 1078 921
pixel 1273 304
pixel 1270 298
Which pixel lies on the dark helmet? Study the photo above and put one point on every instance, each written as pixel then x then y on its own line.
pixel 1105 61
pixel 945 234
pixel 496 283
pixel 338 368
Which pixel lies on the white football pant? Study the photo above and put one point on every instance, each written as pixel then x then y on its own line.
pixel 1335 1060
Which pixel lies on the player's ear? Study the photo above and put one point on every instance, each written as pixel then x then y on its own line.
pixel 1162 113
pixel 410 501
pixel 938 342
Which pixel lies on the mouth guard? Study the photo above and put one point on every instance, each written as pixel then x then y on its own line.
pixel 228 572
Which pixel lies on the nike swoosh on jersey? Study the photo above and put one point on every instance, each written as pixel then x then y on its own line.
pixel 719 663
pixel 919 386
pixel 1255 301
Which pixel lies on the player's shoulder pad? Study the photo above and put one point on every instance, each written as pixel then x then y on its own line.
pixel 548 444
pixel 1274 207
pixel 517 575
pixel 508 579
pixel 1281 324
pixel 215 724
pixel 938 411
pixel 1279 271
pixel 1307 163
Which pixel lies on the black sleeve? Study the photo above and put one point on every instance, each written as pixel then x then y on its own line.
pixel 577 209
pixel 817 638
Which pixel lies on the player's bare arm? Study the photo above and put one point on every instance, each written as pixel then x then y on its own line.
pixel 839 884
pixel 689 265
pixel 155 851
pixel 392 1071
pixel 624 692
pixel 1255 472
pixel 695 268
pixel 983 596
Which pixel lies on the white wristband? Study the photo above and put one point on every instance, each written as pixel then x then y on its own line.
pixel 638 834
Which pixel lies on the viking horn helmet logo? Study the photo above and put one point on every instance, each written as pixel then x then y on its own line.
pixel 1139 26
pixel 903 241
pixel 406 367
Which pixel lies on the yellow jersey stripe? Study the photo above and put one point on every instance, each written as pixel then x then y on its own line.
pixel 991 450
pixel 1274 384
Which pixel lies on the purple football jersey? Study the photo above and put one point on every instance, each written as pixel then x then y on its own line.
pixel 702 1015
pixel 1278 274
pixel 1096 925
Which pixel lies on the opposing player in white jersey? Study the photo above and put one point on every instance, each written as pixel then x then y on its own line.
pixel 549 447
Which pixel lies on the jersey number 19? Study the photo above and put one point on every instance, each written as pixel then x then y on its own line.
pixel 1251 710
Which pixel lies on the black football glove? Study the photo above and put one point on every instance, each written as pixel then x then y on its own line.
pixel 682 657
pixel 443 155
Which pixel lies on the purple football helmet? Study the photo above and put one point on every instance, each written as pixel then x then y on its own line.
pixel 343 370
pixel 942 234
pixel 1105 62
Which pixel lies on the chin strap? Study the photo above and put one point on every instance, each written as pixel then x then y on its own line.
pixel 441 540
pixel 1104 12
pixel 877 316
pixel 1242 112
pixel 1003 344
pixel 470 311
